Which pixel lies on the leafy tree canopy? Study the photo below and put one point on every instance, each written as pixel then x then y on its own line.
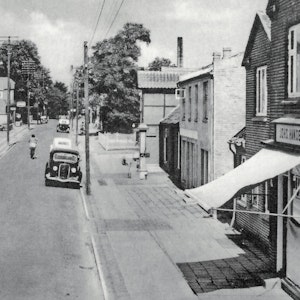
pixel 114 74
pixel 158 62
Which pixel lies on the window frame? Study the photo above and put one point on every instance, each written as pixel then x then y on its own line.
pixel 196 102
pixel 255 197
pixel 261 104
pixel 292 61
pixel 205 101
pixel 190 104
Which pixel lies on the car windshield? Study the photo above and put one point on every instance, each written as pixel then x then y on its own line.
pixel 67 157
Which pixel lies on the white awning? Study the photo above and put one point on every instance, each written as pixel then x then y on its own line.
pixel 264 165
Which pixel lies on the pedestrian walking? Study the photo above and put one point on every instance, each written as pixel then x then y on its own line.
pixel 32 146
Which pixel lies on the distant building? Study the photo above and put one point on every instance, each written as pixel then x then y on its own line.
pixel 3 98
pixel 157 101
pixel 169 145
pixel 212 111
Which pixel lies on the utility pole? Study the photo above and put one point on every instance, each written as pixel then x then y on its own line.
pixel 87 115
pixel 8 87
pixel 77 106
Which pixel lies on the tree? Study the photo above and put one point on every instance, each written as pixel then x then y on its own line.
pixel 57 100
pixel 114 73
pixel 158 62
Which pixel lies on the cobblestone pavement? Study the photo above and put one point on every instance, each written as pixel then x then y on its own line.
pixel 245 271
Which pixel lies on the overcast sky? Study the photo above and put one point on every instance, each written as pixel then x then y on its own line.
pixel 59 27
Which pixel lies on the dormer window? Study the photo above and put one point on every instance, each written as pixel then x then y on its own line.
pixel 294 62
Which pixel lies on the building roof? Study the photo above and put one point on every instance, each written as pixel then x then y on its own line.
pixel 173 117
pixel 3 83
pixel 164 79
pixel 206 70
pixel 260 19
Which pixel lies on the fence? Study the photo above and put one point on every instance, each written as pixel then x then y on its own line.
pixel 117 141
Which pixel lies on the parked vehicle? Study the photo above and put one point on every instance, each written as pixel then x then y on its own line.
pixel 63 167
pixel 63 125
pixel 44 119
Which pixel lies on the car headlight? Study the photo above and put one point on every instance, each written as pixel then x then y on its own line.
pixel 55 168
pixel 73 170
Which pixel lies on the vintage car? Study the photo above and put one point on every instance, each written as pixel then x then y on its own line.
pixel 44 119
pixel 63 168
pixel 63 125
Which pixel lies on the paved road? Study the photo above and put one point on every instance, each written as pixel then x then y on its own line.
pixel 45 250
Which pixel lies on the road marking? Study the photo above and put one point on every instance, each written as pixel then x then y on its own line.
pixel 84 205
pixel 99 269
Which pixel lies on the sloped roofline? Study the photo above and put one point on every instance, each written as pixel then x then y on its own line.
pixel 265 21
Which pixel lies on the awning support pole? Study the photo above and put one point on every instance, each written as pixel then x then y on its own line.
pixel 292 198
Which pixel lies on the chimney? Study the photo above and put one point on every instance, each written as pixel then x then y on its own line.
pixel 226 52
pixel 179 52
pixel 216 56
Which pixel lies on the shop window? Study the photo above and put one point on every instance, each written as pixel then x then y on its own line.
pixel 190 103
pixel 205 101
pixel 242 200
pixel 295 205
pixel 261 91
pixel 294 62
pixel 196 102
pixel 255 197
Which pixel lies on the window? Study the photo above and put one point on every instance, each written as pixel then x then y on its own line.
pixel 242 200
pixel 204 166
pixel 190 103
pixel 183 109
pixel 295 205
pixel 205 100
pixel 261 91
pixel 255 197
pixel 294 61
pixel 196 103
pixel 166 145
pixel 178 151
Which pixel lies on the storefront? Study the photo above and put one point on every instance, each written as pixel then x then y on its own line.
pixel 278 162
pixel 287 138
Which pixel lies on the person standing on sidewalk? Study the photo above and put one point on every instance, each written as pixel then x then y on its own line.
pixel 32 146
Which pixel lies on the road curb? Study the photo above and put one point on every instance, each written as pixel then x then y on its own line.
pixel 99 269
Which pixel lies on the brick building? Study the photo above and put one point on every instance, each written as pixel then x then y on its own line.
pixel 267 184
pixel 212 111
pixel 3 98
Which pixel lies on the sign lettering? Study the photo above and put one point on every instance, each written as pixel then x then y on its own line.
pixel 288 134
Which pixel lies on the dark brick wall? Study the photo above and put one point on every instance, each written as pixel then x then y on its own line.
pixel 257 130
pixel 288 14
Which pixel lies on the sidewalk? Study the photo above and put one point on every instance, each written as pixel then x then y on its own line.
pixel 15 135
pixel 154 246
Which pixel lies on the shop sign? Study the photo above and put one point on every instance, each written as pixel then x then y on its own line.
pixel 21 104
pixel 288 134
